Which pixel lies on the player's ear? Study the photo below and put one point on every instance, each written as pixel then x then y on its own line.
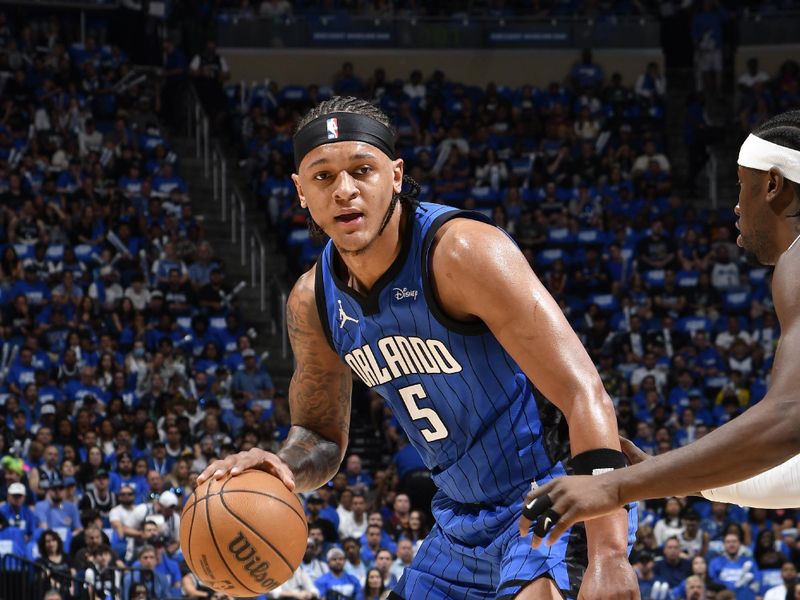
pixel 299 188
pixel 776 183
pixel 397 175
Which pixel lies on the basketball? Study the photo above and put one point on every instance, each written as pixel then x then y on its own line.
pixel 243 535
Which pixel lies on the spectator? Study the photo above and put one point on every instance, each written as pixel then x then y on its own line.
pixel 375 588
pixel 586 74
pixel 737 573
pixel 55 513
pixel 643 564
pixel 16 512
pixel 695 588
pixel 651 84
pixel 357 478
pixel 355 524
pixel 298 586
pixel 672 569
pixel 405 554
pixel 353 563
pixel 314 504
pixel 383 562
pixel 693 541
pixel 707 27
pixel 312 563
pixel 98 496
pixel 417 529
pixel 344 585
pixel 255 385
pixel 100 575
pixel 789 577
pixel 127 518
pixel 724 271
pixel 671 525
pixel 52 557
pixel 154 582
pixel 209 70
pixel 752 76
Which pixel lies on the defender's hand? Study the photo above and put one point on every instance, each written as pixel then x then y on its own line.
pixel 632 452
pixel 557 505
pixel 255 458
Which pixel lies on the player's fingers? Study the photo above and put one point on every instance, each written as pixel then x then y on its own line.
pixel 225 467
pixel 634 454
pixel 556 532
pixel 536 504
pixel 269 463
pixel 209 471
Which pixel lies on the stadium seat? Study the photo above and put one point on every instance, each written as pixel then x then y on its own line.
pixel 655 278
pixel 547 257
pixel 687 279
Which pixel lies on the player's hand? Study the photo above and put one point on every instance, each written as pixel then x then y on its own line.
pixel 609 578
pixel 255 458
pixel 557 505
pixel 632 452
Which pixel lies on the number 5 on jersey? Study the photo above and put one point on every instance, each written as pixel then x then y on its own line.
pixel 410 396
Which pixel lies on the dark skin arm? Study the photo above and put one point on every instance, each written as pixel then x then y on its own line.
pixel 764 436
pixel 480 273
pixel 319 402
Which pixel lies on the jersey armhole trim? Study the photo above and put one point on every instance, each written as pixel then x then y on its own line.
pixel 319 297
pixel 460 327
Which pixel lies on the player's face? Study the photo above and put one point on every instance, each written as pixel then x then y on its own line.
pixel 754 222
pixel 347 187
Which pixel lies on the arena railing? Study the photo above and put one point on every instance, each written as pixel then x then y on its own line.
pixel 772 29
pixel 458 31
pixel 21 578
pixel 244 236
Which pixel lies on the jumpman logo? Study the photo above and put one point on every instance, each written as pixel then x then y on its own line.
pixel 343 317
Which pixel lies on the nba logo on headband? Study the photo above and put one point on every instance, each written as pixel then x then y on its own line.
pixel 333 128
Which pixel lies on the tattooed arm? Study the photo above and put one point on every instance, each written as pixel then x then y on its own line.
pixel 319 394
pixel 319 401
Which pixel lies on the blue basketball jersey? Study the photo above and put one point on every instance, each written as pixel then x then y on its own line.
pixel 464 403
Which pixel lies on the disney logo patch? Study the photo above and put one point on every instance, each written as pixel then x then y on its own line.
pixel 402 293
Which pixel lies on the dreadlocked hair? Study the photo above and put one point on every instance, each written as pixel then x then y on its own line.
pixel 784 130
pixel 407 196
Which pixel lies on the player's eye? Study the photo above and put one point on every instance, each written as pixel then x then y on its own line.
pixel 364 170
pixel 322 176
pixel 738 183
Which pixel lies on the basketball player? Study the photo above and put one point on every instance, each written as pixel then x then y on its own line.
pixel 439 312
pixel 765 435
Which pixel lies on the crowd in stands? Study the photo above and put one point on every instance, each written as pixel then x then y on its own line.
pixel 126 367
pixel 760 94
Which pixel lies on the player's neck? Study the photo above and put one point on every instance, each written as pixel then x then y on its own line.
pixel 365 268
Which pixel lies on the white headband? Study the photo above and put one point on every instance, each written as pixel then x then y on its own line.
pixel 757 153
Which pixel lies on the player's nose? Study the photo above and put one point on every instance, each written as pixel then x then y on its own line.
pixel 345 187
pixel 737 211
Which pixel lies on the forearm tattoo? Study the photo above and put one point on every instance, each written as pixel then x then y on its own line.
pixel 319 397
pixel 313 459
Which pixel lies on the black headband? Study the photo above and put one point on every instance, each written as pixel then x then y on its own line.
pixel 342 127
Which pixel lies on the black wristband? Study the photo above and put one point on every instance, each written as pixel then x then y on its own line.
pixel 600 460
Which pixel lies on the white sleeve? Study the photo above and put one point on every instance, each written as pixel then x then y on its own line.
pixel 778 487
